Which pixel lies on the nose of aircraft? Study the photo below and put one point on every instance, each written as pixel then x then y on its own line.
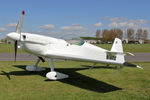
pixel 13 36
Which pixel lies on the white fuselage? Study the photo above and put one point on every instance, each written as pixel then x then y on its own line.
pixel 49 47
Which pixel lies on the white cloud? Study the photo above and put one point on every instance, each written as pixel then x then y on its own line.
pixel 124 23
pixel 99 24
pixel 74 27
pixel 117 19
pixel 11 25
pixel 76 24
pixel 113 24
pixel 2 29
pixel 140 21
pixel 65 28
pixel 48 26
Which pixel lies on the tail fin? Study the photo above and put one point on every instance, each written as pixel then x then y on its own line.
pixel 117 47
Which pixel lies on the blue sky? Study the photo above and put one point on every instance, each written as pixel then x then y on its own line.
pixel 59 18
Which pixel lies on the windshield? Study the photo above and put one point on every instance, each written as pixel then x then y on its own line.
pixel 73 39
pixel 78 42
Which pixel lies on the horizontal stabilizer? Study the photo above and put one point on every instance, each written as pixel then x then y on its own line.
pixel 121 53
pixel 129 53
pixel 110 52
pixel 132 65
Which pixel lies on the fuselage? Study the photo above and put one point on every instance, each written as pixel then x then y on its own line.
pixel 50 47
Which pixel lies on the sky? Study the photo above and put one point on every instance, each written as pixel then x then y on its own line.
pixel 67 18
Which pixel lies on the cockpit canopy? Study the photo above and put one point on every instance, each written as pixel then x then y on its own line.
pixel 78 42
pixel 73 39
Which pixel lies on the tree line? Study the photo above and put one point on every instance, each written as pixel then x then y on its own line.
pixel 130 34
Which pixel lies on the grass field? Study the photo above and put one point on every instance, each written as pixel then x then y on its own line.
pixel 99 83
pixel 8 48
pixel 133 48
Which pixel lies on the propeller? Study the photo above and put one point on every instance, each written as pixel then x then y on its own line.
pixel 18 30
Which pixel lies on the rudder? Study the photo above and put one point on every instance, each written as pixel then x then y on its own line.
pixel 117 47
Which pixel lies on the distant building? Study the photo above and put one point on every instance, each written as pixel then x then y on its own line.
pixel 91 41
pixel 8 41
pixel 134 41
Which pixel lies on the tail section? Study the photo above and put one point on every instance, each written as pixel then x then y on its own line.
pixel 118 54
pixel 117 49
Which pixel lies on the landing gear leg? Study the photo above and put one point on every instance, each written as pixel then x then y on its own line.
pixel 53 75
pixel 92 66
pixel 52 65
pixel 107 65
pixel 118 69
pixel 35 67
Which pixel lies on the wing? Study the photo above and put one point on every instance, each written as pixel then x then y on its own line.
pixel 58 55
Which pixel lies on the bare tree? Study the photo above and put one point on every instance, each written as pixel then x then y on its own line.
pixel 105 35
pixel 119 33
pixel 112 35
pixel 98 34
pixel 139 34
pixel 145 35
pixel 130 34
pixel 115 33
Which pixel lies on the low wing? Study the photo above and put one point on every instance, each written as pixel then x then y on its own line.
pixel 58 55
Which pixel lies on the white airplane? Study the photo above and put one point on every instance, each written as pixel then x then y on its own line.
pixel 53 48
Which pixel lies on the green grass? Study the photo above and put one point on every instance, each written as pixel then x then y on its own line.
pixel 8 48
pixel 133 48
pixel 84 84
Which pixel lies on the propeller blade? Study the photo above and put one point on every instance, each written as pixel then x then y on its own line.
pixel 43 60
pixel 15 47
pixel 19 25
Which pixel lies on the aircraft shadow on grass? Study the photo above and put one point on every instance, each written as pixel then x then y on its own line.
pixel 75 78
